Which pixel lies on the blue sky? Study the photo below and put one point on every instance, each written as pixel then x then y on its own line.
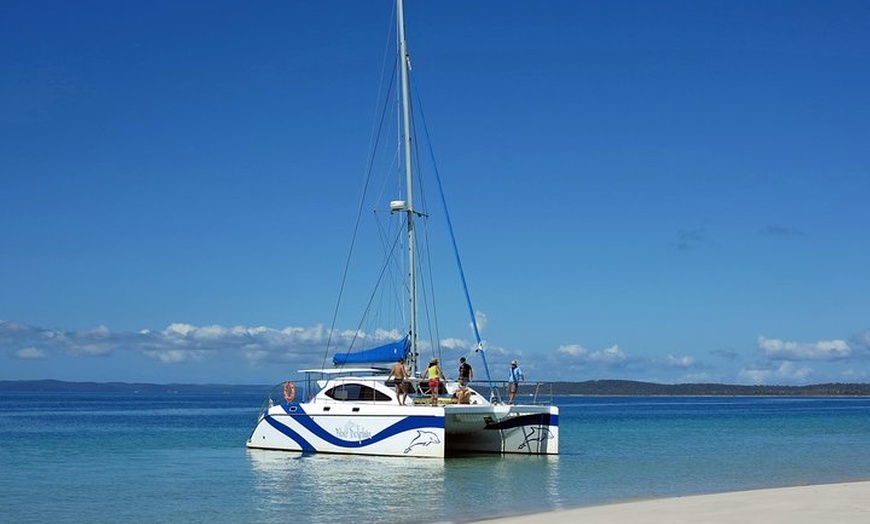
pixel 671 191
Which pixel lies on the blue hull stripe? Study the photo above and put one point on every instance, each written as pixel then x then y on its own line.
pixel 295 437
pixel 303 419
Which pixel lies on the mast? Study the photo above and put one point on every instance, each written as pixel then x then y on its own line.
pixel 404 60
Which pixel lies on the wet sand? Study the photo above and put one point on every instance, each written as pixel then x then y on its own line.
pixel 843 503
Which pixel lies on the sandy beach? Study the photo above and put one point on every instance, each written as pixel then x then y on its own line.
pixel 844 503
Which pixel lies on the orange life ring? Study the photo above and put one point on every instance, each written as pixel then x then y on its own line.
pixel 289 391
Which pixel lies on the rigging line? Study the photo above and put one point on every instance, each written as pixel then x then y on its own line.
pixel 449 224
pixel 372 296
pixel 453 238
pixel 395 266
pixel 369 170
pixel 431 316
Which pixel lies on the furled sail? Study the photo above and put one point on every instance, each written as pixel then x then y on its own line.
pixel 391 352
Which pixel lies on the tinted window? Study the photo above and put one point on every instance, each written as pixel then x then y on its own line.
pixel 356 392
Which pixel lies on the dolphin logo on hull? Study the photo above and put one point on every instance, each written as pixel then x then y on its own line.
pixel 538 434
pixel 423 438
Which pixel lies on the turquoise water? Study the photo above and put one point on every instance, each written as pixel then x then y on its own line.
pixel 105 457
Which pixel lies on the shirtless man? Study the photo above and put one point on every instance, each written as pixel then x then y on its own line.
pixel 400 374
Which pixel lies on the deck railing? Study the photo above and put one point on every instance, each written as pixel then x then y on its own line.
pixel 533 393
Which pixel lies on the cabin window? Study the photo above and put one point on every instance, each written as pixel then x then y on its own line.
pixel 356 392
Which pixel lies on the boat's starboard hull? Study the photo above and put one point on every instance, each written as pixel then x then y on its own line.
pixel 415 431
pixel 503 429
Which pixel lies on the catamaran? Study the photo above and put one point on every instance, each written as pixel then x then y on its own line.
pixel 355 407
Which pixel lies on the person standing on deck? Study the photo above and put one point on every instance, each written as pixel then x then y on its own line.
pixel 466 373
pixel 400 374
pixel 434 374
pixel 513 382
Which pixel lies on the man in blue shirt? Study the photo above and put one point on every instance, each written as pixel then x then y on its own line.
pixel 513 382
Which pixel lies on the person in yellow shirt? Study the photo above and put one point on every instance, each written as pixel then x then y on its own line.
pixel 435 375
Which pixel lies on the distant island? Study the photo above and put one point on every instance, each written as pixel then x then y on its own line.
pixel 635 388
pixel 587 388
pixel 61 386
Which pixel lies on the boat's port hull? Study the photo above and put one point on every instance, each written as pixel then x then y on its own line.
pixel 359 429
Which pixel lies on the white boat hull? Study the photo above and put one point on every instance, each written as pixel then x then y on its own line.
pixel 500 428
pixel 407 431
pixel 358 429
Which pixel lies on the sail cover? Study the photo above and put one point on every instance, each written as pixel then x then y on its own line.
pixel 391 352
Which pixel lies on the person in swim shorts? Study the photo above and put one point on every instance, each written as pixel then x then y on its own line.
pixel 400 374
pixel 435 375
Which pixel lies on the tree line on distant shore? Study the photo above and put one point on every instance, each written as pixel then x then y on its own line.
pixel 61 386
pixel 634 388
pixel 589 387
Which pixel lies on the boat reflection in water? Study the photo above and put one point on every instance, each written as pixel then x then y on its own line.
pixel 317 487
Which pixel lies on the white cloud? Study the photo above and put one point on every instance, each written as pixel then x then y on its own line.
pixel 13 327
pixel 99 332
pixel 30 353
pixel 481 319
pixel 455 343
pixel 173 356
pixel 786 372
pixel 792 372
pixel 293 347
pixel 178 329
pixel 93 349
pixel 685 361
pixel 822 350
pixel 217 332
pixel 608 356
pixel 178 342
pixel 575 350
pixel 387 335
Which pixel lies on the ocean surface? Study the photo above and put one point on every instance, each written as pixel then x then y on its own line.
pixel 181 457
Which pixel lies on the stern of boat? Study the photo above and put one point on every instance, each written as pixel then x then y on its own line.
pixel 500 428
